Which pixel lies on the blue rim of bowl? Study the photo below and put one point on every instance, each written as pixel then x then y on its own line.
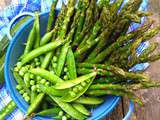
pixel 10 89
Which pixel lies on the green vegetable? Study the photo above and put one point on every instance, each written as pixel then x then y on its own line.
pixel 51 15
pixel 71 83
pixel 89 100
pixel 69 109
pixel 49 112
pixel 81 109
pixel 39 51
pixel 67 97
pixel 46 75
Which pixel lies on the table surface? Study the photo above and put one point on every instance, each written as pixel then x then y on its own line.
pixel 151 97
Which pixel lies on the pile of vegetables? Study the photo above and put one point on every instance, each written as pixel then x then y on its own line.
pixel 84 55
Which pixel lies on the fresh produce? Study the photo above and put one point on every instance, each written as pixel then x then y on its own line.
pixel 7 110
pixel 85 54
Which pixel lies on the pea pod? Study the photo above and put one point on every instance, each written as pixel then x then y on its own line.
pixel 47 59
pixel 71 66
pixel 71 83
pixel 49 112
pixel 33 96
pixel 51 91
pixel 81 109
pixel 30 40
pixel 46 38
pixel 67 97
pixel 36 103
pixel 46 75
pixel 37 31
pixel 39 51
pixel 89 100
pixel 61 59
pixel 69 109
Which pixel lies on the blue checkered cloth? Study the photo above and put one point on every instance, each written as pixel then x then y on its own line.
pixel 19 6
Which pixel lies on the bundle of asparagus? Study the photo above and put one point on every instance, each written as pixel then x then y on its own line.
pixel 89 41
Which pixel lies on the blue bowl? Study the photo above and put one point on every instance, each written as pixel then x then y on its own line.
pixel 15 50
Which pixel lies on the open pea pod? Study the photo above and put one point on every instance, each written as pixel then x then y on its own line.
pixel 77 91
pixel 76 81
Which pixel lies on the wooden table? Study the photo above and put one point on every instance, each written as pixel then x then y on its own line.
pixel 151 98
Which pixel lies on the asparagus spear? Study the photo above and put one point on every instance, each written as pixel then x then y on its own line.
pixel 69 13
pixel 130 95
pixel 81 22
pixel 51 15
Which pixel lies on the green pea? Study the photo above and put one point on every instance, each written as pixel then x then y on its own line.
pixel 80 87
pixel 55 59
pixel 75 89
pixel 37 86
pixel 32 82
pixel 7 110
pixel 24 69
pixel 31 76
pixel 83 83
pixel 65 77
pixel 21 73
pixel 10 106
pixel 64 118
pixel 60 113
pixel 25 95
pixel 21 92
pixel 47 83
pixel 43 81
pixel 18 87
pixel 27 77
pixel 27 67
pixel 19 65
pixel 16 69
pixel 36 60
pixel 73 94
pixel 38 90
pixel 27 98
pixel 33 88
pixel 38 78
pixel 38 63
pixel 65 69
pixel 54 65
